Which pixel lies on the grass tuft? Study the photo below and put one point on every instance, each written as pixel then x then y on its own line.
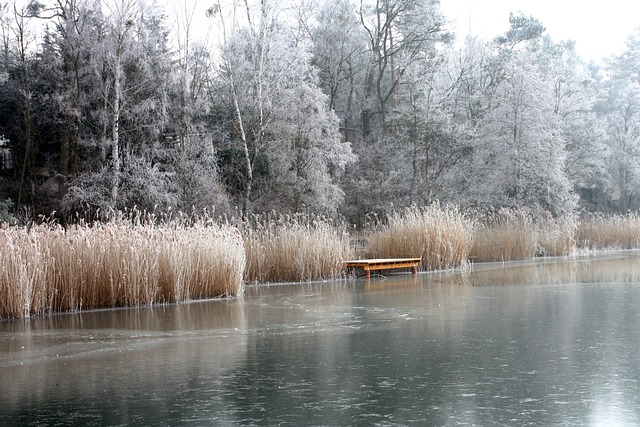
pixel 293 248
pixel 440 235
pixel 599 232
pixel 504 235
pixel 556 238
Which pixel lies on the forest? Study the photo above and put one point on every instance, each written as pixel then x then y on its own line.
pixel 338 107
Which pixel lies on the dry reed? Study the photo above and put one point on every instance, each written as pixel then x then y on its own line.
pixel 556 238
pixel 440 235
pixel 609 232
pixel 48 269
pixel 131 260
pixel 293 248
pixel 504 235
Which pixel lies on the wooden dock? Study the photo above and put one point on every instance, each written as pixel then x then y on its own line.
pixel 383 264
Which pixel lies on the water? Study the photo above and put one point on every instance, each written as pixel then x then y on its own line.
pixel 554 342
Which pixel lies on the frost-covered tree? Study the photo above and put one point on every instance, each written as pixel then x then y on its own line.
pixel 17 106
pixel 282 127
pixel 518 149
pixel 306 153
pixel 117 42
pixel 445 101
pixel 623 138
pixel 619 107
pixel 398 34
pixel 520 153
pixel 132 68
pixel 574 96
pixel 366 78
pixel 67 80
pixel 339 52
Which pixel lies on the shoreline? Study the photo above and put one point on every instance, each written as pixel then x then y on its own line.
pixel 479 267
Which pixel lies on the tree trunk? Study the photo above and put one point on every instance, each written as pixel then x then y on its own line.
pixel 63 167
pixel 245 149
pixel 27 164
pixel 115 132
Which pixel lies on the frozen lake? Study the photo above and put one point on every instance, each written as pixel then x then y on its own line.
pixel 551 342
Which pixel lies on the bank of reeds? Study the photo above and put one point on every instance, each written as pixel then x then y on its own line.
pixel 440 235
pixel 293 248
pixel 504 235
pixel 556 238
pixel 47 268
pixel 599 232
pixel 132 260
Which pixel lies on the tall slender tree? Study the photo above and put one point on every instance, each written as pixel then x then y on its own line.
pixel 270 82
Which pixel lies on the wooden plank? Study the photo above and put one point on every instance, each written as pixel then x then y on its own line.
pixel 383 264
pixel 389 266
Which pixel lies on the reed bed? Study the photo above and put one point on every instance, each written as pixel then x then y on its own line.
pixel 134 259
pixel 556 238
pixel 609 232
pixel 440 235
pixel 48 269
pixel 504 235
pixel 293 248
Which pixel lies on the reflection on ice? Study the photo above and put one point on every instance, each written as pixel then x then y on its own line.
pixel 82 361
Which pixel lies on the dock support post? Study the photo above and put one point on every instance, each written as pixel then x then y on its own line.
pixel 414 270
pixel 367 273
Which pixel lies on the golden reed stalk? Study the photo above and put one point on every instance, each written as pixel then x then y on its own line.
pixel 47 268
pixel 609 232
pixel 504 235
pixel 294 248
pixel 133 261
pixel 440 235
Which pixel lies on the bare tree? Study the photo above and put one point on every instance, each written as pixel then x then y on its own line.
pixel 122 17
pixel 398 33
pixel 22 39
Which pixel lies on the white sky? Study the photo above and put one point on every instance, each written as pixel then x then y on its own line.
pixel 599 27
